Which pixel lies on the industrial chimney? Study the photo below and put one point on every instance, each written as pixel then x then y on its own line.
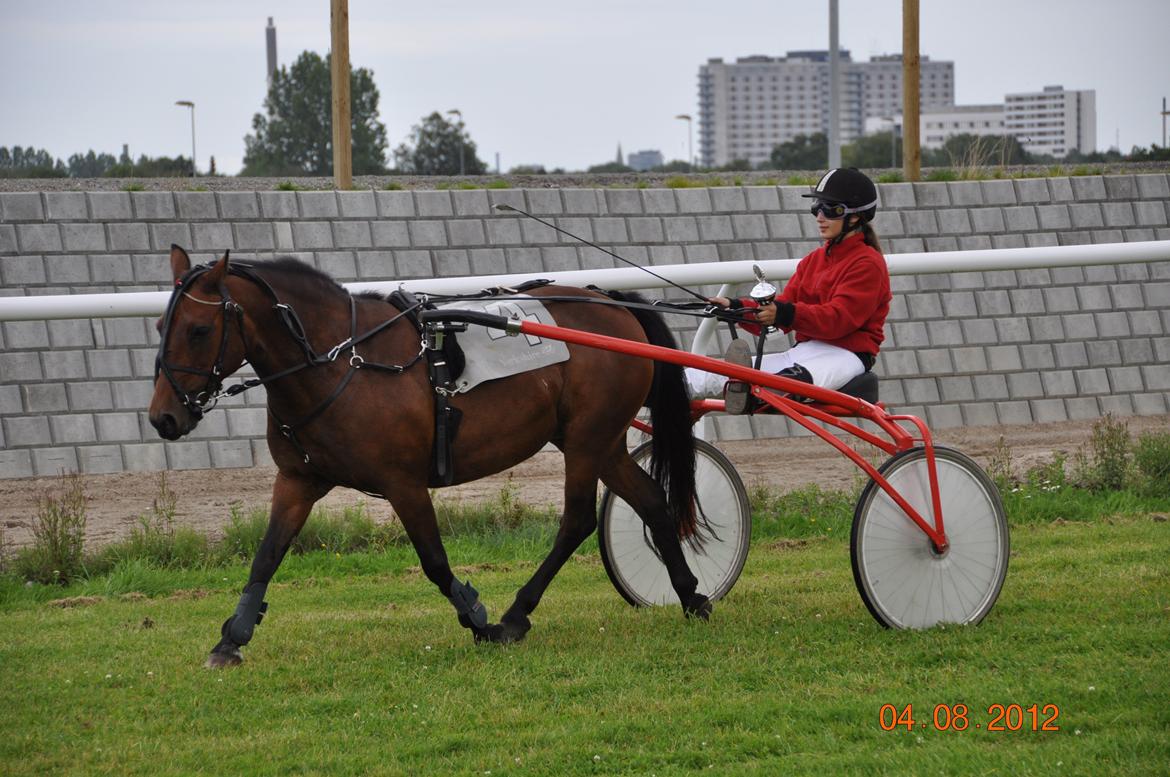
pixel 271 31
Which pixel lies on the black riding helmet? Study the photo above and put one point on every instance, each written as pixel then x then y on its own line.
pixel 849 187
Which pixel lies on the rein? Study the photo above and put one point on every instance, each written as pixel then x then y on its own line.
pixel 693 309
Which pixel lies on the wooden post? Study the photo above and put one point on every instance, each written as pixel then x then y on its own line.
pixel 911 84
pixel 342 140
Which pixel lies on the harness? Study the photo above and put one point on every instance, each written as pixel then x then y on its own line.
pixel 438 345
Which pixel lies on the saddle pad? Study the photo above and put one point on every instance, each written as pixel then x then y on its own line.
pixel 493 354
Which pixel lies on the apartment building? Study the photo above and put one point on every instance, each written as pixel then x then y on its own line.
pixel 936 126
pixel 748 107
pixel 1053 121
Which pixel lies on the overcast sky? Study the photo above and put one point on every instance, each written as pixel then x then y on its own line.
pixel 553 82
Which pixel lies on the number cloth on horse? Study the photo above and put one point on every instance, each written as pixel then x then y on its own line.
pixel 491 354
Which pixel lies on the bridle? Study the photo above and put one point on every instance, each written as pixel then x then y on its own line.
pixel 199 403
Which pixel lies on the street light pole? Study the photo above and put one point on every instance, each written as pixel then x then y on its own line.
pixel 191 105
pixel 457 112
pixel 690 138
pixel 1165 113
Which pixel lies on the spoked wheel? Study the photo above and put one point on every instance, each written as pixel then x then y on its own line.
pixel 902 580
pixel 630 560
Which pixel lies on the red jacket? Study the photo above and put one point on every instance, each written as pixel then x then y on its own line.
pixel 841 298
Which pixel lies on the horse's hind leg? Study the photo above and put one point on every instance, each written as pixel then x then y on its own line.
pixel 417 512
pixel 578 521
pixel 625 478
pixel 292 499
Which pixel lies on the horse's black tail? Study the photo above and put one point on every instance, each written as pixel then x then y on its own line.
pixel 672 447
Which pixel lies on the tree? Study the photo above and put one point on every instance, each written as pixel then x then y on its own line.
pixel 149 167
pixel 434 148
pixel 295 137
pixel 736 166
pixel 673 166
pixel 1154 153
pixel 610 167
pixel 30 163
pixel 803 152
pixel 881 149
pixel 91 165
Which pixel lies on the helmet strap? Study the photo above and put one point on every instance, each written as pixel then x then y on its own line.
pixel 846 231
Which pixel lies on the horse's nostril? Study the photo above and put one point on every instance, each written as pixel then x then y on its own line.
pixel 166 426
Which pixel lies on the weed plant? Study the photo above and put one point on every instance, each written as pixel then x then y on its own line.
pixel 1103 467
pixel 1151 458
pixel 58 535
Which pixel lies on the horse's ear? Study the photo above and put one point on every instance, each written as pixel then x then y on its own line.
pixel 180 262
pixel 218 272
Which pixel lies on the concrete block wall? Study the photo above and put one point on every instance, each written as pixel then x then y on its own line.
pixel 962 348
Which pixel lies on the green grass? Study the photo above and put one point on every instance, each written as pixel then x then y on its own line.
pixel 360 668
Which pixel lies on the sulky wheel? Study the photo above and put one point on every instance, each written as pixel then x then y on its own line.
pixel 902 580
pixel 630 560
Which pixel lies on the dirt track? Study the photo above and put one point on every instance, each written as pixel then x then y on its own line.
pixel 205 496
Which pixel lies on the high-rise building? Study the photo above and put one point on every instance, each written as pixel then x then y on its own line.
pixel 748 107
pixel 1054 121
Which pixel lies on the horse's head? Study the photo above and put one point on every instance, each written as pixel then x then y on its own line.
pixel 201 344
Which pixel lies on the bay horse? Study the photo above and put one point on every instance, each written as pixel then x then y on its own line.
pixel 335 420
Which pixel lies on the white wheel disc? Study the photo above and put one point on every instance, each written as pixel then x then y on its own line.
pixel 630 560
pixel 903 582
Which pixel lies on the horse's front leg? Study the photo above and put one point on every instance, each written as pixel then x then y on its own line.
pixel 417 513
pixel 292 499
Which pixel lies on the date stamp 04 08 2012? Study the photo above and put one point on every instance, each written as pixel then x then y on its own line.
pixel 957 717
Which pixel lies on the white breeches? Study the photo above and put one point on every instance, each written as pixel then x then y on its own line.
pixel 831 367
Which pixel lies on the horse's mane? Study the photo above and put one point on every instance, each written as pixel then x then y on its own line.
pixel 293 268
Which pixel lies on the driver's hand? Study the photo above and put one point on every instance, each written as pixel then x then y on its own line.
pixel 722 302
pixel 766 315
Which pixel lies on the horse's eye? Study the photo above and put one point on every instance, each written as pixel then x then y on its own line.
pixel 199 332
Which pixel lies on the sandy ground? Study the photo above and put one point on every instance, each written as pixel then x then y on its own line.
pixel 205 497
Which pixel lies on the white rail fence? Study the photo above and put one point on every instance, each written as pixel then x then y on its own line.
pixel 153 303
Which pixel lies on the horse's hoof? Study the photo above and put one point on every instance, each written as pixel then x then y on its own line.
pixel 501 633
pixel 700 607
pixel 222 657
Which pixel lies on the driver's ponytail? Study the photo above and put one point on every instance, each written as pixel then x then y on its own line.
pixel 870 237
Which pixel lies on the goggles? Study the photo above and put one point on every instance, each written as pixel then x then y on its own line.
pixel 837 210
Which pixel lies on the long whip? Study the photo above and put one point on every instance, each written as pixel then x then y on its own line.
pixel 695 294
